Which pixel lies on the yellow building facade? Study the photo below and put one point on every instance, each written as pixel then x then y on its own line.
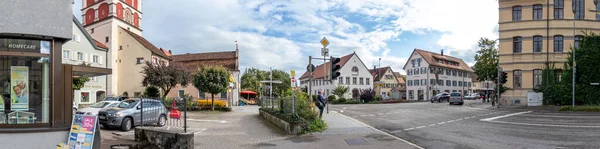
pixel 533 33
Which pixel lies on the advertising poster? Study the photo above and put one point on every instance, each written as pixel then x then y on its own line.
pixel 82 132
pixel 19 85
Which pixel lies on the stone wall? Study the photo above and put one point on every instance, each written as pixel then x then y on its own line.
pixel 292 129
pixel 163 138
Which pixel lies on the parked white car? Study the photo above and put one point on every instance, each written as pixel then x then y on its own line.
pixel 94 108
pixel 472 96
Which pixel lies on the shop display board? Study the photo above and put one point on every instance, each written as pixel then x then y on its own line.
pixel 82 132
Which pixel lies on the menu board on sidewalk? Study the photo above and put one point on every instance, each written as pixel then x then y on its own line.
pixel 82 131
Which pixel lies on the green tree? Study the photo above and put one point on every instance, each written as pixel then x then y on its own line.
pixel 79 82
pixel 213 80
pixel 340 90
pixel 486 60
pixel 250 79
pixel 152 92
pixel 165 77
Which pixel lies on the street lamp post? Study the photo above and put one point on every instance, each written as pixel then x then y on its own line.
pixel 574 68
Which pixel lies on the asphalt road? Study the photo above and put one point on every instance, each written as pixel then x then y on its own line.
pixel 443 126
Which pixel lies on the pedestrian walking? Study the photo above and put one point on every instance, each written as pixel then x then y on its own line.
pixel 320 103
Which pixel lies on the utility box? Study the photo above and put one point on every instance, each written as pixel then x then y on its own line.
pixel 535 99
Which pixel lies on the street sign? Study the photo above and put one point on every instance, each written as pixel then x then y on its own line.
pixel 231 79
pixel 310 68
pixel 324 42
pixel 324 52
pixel 293 82
pixel 293 73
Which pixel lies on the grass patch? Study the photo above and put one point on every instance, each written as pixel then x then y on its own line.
pixel 581 108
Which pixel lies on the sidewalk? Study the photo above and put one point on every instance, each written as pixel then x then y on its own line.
pixel 342 132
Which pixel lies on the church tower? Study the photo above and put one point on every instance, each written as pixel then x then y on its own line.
pixel 102 20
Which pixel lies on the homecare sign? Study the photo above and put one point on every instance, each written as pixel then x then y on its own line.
pixel 20 45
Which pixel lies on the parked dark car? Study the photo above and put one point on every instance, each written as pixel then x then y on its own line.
pixel 456 98
pixel 440 97
pixel 129 114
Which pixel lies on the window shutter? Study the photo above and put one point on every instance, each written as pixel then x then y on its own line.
pixel 100 59
pixel 73 55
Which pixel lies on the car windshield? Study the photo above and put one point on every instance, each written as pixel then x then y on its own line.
pixel 100 105
pixel 111 99
pixel 128 104
pixel 455 94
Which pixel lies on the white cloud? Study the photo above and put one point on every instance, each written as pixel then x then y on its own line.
pixel 281 34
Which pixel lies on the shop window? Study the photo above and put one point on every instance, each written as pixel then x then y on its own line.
pixel 24 88
pixel 85 97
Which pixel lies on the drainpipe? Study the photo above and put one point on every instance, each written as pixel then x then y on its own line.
pixel 547 32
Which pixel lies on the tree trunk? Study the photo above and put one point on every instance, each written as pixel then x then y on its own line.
pixel 164 96
pixel 213 101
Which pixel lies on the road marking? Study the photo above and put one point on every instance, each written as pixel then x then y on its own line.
pixel 473 116
pixel 397 131
pixel 363 115
pixel 342 111
pixel 450 121
pixel 408 129
pixel 503 116
pixel 544 125
pixel 460 119
pixel 431 125
pixel 218 121
pixel 420 127
pixel 380 114
pixel 389 113
pixel 466 118
pixel 415 145
pixel 371 114
pixel 201 130
pixel 441 123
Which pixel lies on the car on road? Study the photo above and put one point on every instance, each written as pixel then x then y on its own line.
pixel 119 98
pixel 440 97
pixel 472 96
pixel 456 98
pixel 128 114
pixel 94 108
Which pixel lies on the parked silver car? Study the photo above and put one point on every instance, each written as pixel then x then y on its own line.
pixel 129 114
pixel 94 108
pixel 456 98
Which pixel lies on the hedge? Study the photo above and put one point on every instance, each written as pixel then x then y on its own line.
pixel 581 108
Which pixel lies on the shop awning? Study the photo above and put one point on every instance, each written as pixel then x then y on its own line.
pixel 248 92
pixel 87 71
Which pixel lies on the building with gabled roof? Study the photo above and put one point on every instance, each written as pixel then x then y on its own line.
pixel 429 73
pixel 354 74
pixel 384 81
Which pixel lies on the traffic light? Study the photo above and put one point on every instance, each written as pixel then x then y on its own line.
pixel 503 77
pixel 335 67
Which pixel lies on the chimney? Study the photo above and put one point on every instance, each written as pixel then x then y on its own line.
pixel 442 52
pixel 170 52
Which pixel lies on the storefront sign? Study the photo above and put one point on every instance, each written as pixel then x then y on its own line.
pixel 25 45
pixel 82 132
pixel 19 85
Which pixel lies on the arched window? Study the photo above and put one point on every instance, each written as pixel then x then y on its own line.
pixel 103 11
pixel 90 15
pixel 517 44
pixel 516 13
pixel 354 69
pixel 578 40
pixel 537 43
pixel 537 12
pixel 119 11
pixel 558 43
pixel 517 79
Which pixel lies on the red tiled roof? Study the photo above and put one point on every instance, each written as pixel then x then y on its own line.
pixel 430 57
pixel 166 51
pixel 204 56
pixel 147 44
pixel 227 59
pixel 319 72
pixel 399 77
pixel 381 70
pixel 100 44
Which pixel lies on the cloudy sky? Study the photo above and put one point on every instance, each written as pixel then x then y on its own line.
pixel 282 33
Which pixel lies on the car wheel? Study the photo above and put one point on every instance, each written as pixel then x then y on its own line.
pixel 162 120
pixel 431 101
pixel 126 124
pixel 449 103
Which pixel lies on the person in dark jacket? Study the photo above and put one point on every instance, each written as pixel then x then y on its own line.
pixel 320 103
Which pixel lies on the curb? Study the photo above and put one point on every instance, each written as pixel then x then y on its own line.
pixel 405 141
